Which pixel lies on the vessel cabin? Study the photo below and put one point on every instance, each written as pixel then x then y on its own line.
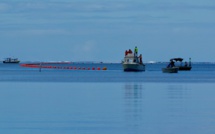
pixel 130 58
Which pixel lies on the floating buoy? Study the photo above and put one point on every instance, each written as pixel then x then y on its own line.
pixel 104 68
pixel 61 67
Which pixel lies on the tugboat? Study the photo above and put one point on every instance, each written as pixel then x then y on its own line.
pixel 11 60
pixel 132 62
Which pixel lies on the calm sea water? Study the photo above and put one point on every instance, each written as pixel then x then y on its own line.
pixel 63 101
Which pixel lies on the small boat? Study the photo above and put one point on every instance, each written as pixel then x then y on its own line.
pixel 185 67
pixel 170 70
pixel 11 60
pixel 133 63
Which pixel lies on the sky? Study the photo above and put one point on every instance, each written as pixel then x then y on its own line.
pixel 101 30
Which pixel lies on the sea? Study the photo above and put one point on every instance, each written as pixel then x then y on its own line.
pixel 82 98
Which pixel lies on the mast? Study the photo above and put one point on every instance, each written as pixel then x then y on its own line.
pixel 189 62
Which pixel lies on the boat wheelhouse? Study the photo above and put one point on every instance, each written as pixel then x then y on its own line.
pixel 11 60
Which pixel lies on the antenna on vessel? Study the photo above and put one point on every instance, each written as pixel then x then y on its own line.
pixel 190 62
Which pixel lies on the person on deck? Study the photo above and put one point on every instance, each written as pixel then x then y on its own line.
pixel 135 51
pixel 140 59
pixel 185 64
pixel 171 64
pixel 126 52
pixel 129 51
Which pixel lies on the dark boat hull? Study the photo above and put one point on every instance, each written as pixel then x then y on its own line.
pixel 134 67
pixel 11 62
pixel 185 68
pixel 170 70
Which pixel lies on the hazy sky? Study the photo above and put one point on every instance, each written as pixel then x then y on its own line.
pixel 101 30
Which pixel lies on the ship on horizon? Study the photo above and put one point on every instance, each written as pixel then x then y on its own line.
pixel 11 60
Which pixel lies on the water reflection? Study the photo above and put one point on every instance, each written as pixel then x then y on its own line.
pixel 178 91
pixel 155 105
pixel 133 91
pixel 133 95
pixel 178 98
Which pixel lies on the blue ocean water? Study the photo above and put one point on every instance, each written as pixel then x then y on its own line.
pixel 64 101
pixel 201 72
